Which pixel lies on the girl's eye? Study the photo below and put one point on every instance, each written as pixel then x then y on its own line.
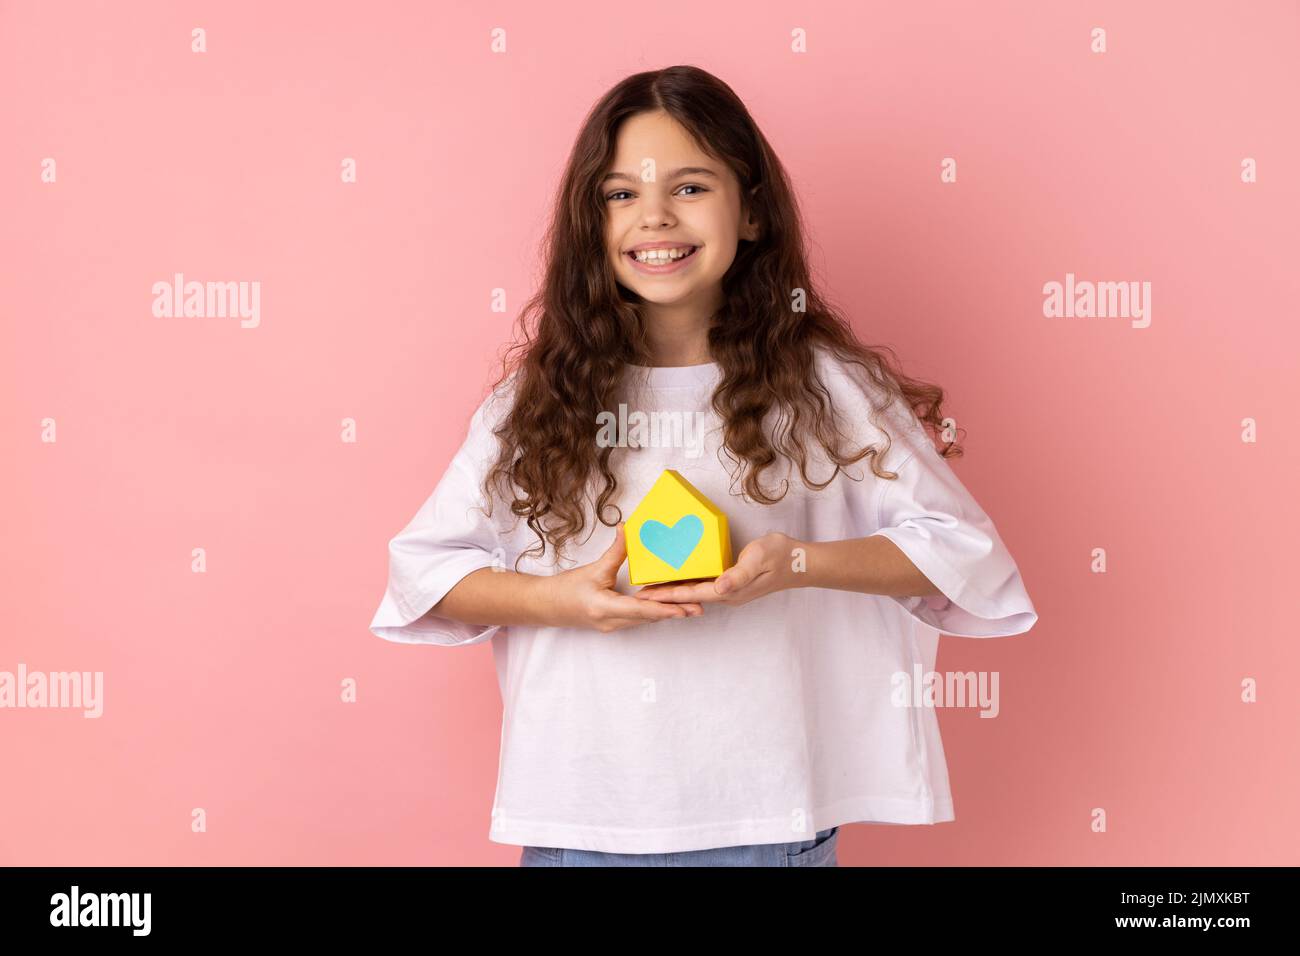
pixel 623 192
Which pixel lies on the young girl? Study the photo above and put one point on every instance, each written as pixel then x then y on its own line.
pixel 738 720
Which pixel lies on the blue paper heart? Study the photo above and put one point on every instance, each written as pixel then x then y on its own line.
pixel 673 545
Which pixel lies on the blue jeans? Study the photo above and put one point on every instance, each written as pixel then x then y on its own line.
pixel 819 851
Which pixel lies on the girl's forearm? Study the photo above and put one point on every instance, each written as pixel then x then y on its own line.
pixel 871 565
pixel 490 596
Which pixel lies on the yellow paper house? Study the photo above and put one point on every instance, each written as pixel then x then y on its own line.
pixel 676 534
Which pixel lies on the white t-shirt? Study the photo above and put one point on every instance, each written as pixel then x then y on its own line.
pixel 763 723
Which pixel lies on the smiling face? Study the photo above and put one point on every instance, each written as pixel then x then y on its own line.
pixel 684 224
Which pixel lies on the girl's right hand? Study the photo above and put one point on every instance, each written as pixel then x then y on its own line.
pixel 585 597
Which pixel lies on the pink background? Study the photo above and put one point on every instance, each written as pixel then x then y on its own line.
pixel 222 690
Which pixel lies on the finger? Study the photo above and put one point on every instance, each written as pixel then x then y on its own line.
pixel 615 554
pixel 689 610
pixel 629 607
pixel 669 585
pixel 735 578
pixel 692 609
pixel 658 592
pixel 679 593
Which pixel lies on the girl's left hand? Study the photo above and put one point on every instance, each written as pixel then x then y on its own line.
pixel 763 566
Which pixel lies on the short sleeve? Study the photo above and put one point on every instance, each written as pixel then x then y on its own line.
pixel 450 537
pixel 928 513
pixel 934 520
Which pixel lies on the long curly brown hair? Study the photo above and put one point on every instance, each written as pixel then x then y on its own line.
pixel 582 327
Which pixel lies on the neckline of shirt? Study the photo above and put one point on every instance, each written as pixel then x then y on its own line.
pixel 675 376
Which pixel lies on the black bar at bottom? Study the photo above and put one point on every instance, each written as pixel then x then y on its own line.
pixel 438 905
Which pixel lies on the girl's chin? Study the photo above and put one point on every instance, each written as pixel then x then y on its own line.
pixel 651 286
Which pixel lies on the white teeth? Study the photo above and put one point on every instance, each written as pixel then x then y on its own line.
pixel 660 256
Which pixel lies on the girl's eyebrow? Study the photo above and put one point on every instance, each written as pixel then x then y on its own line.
pixel 674 174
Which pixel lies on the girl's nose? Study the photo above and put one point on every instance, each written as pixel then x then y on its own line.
pixel 656 215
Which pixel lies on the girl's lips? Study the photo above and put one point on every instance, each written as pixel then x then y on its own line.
pixel 656 270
